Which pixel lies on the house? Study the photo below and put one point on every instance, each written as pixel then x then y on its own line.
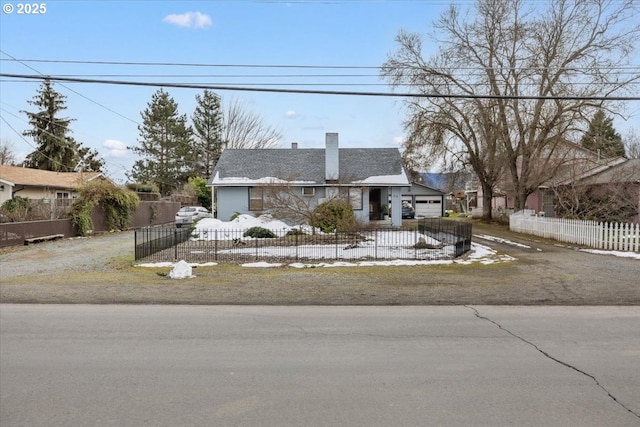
pixel 244 180
pixel 570 164
pixel 37 184
pixel 620 180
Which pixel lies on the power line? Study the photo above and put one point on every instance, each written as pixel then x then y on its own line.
pixel 77 93
pixel 277 66
pixel 318 92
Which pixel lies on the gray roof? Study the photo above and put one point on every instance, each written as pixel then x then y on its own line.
pixel 628 171
pixel 307 165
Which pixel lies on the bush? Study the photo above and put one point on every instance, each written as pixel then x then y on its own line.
pixel 259 233
pixel 118 204
pixel 17 208
pixel 295 232
pixel 334 215
pixel 234 216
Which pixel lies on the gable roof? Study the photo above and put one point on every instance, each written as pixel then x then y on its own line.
pixel 43 178
pixel 306 166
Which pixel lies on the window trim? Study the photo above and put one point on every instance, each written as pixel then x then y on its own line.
pixel 305 194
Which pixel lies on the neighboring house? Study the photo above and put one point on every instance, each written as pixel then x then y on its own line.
pixel 621 177
pixel 243 179
pixel 36 184
pixel 573 163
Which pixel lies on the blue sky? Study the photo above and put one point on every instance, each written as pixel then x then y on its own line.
pixel 318 33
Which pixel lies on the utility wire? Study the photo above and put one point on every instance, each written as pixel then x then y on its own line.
pixel 277 66
pixel 319 92
pixel 77 93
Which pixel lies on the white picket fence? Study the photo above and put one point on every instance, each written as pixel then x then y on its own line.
pixel 599 235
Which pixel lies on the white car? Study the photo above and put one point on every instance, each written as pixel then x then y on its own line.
pixel 190 214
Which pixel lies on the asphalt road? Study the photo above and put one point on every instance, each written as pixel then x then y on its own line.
pixel 77 365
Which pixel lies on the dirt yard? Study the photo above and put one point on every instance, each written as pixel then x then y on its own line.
pixel 100 270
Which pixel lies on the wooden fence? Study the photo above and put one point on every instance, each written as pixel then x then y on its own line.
pixel 599 235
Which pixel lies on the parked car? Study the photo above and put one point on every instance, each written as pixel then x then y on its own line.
pixel 408 212
pixel 190 214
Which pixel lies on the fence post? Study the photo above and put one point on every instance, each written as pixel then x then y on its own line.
pixel 175 244
pixel 375 242
pixel 296 240
pixel 336 243
pixel 215 246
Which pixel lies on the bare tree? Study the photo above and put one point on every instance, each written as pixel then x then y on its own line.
pixel 7 155
pixel 243 128
pixel 612 196
pixel 632 144
pixel 558 56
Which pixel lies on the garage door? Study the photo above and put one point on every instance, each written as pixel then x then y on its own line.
pixel 428 206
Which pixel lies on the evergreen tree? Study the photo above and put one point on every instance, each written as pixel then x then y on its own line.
pixel 165 145
pixel 207 125
pixel 56 150
pixel 602 138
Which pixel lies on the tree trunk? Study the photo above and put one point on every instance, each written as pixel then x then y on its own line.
pixel 487 200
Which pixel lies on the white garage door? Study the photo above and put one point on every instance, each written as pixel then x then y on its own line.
pixel 428 206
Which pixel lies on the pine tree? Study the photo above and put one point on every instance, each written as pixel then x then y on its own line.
pixel 165 145
pixel 56 150
pixel 602 138
pixel 207 125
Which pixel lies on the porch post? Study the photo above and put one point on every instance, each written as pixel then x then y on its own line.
pixel 396 206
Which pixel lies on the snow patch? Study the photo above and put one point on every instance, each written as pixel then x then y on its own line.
pixel 182 270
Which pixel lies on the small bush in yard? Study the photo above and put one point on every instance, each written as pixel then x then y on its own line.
pixel 259 233
pixel 334 215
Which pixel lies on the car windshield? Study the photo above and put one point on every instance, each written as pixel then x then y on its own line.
pixel 187 209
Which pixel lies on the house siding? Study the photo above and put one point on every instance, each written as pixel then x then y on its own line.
pixel 231 200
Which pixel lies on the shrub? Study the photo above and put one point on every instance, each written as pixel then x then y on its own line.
pixel 259 233
pixel 17 208
pixel 234 216
pixel 117 203
pixel 334 215
pixel 295 231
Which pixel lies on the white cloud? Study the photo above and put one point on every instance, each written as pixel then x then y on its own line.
pixel 195 20
pixel 291 114
pixel 115 148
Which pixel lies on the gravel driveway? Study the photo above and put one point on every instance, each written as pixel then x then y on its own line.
pixel 99 270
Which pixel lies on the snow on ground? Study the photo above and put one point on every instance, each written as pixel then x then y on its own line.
pixel 500 240
pixel 614 253
pixel 227 230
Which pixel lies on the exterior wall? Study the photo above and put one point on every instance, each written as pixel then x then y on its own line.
pixel 231 200
pixel 362 215
pixel 34 192
pixel 5 192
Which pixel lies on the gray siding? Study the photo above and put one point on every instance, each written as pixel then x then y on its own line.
pixel 232 200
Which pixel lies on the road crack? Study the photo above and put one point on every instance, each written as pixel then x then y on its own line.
pixel 555 359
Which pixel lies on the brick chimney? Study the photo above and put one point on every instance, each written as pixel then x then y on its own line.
pixel 331 158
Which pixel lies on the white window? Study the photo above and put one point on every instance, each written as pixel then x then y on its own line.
pixel 62 195
pixel 308 191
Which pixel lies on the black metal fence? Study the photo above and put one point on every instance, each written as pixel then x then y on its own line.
pixel 154 240
pixel 457 233
pixel 430 241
